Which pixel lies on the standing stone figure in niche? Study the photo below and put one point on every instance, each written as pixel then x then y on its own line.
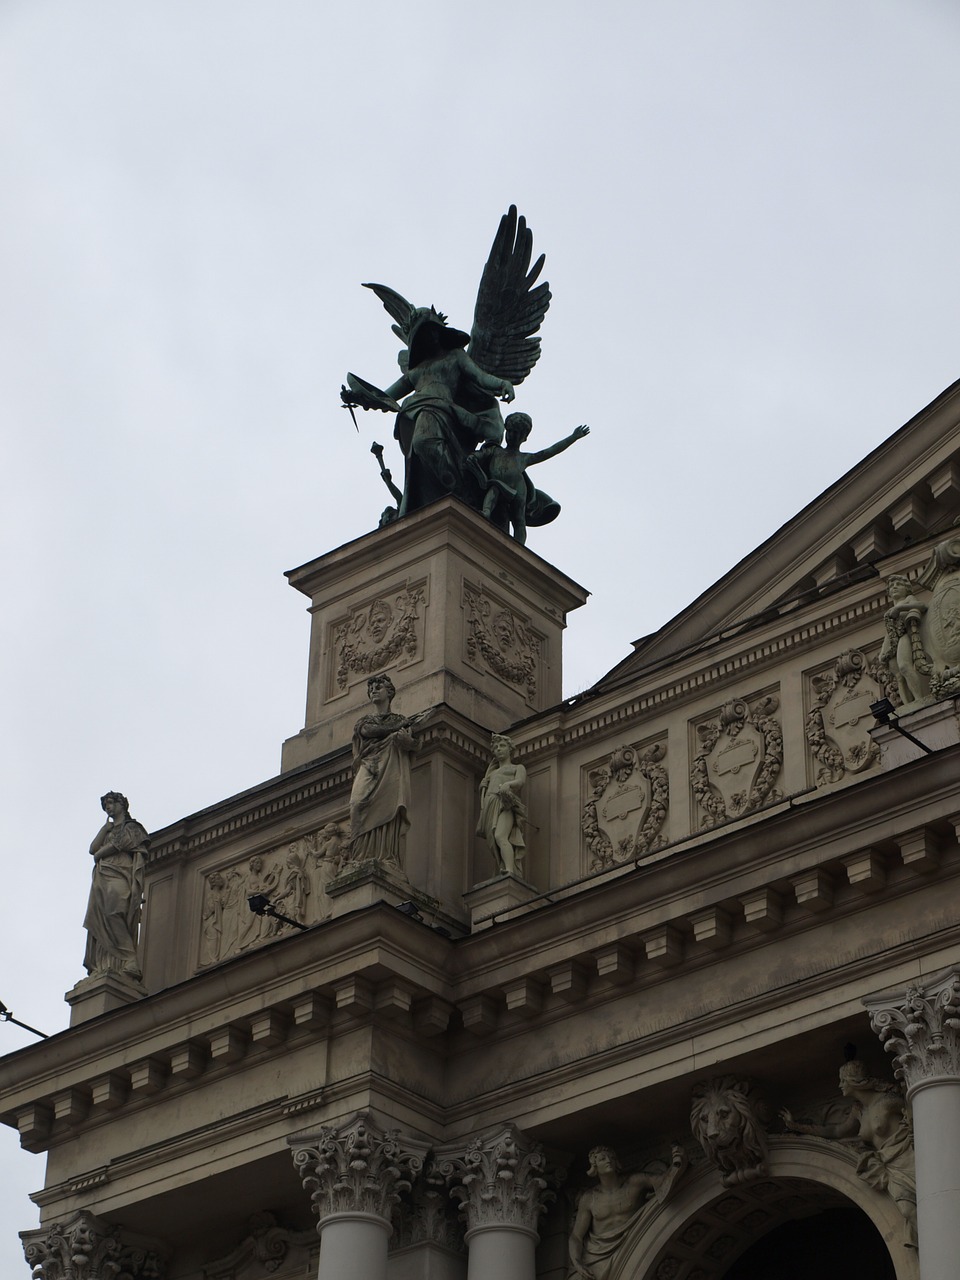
pixel 880 1125
pixel 113 908
pixel 606 1213
pixel 502 812
pixel 382 746
pixel 509 493
pixel 902 652
pixel 450 381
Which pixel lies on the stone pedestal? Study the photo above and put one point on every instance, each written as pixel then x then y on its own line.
pixel 93 996
pixel 457 612
pixel 921 1028
pixel 936 726
pixel 501 893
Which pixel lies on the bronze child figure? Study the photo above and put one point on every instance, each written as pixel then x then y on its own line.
pixel 509 494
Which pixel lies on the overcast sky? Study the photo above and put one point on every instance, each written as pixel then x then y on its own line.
pixel 750 215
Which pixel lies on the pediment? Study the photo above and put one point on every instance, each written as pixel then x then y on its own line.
pixel 905 491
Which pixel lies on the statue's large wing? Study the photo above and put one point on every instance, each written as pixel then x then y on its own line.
pixel 396 306
pixel 510 304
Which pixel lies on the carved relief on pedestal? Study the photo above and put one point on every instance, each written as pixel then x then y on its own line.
pixel 837 724
pixel 84 1246
pixel 740 758
pixel 502 641
pixel 294 878
pixel 498 1180
pixel 263 1250
pixel 385 631
pixel 629 797
pixel 727 1119
pixel 358 1167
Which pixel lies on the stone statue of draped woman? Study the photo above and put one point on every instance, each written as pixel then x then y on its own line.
pixel 113 909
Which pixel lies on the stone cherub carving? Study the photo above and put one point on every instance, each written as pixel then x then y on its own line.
pixel 502 812
pixel 446 397
pixel 902 652
pixel 879 1123
pixel 382 745
pixel 607 1212
pixel 726 1117
pixel 113 908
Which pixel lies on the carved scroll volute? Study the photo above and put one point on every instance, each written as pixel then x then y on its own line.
pixel 922 1031
pixel 358 1167
pixel 498 1179
pixel 85 1248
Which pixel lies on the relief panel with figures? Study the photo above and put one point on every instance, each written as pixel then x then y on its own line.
pixel 295 880
pixel 738 755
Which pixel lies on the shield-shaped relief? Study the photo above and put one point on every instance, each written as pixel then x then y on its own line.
pixel 740 757
pixel 943 622
pixel 628 805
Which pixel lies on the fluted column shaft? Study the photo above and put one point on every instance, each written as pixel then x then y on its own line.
pixel 355 1174
pixel 498 1180
pixel 921 1028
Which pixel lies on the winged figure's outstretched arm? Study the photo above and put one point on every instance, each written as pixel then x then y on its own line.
pixel 510 304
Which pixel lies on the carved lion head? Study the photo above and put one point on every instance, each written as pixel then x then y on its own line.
pixel 726 1119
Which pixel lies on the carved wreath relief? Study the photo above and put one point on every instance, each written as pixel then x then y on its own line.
pixel 836 728
pixel 629 797
pixel 501 640
pixel 740 758
pixel 295 880
pixel 377 634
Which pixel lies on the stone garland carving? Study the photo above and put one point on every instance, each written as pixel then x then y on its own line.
pixel 740 758
pixel 373 637
pixel 296 884
pixel 836 727
pixel 879 1125
pixel 503 639
pixel 86 1248
pixel 498 1180
pixel 727 1118
pixel 358 1167
pixel 266 1243
pixel 628 806
pixel 923 1033
pixel 607 1213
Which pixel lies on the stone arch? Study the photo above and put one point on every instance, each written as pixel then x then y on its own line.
pixel 704 1227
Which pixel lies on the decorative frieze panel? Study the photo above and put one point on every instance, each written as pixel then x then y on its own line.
pixel 295 880
pixel 500 640
pixel 739 759
pixel 629 797
pixel 839 719
pixel 380 633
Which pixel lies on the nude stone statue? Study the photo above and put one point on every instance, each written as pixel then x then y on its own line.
pixel 878 1121
pixel 113 908
pixel 607 1212
pixel 502 812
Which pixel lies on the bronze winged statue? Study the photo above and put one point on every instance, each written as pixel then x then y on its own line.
pixel 446 399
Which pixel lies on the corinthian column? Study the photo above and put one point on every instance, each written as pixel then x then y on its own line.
pixel 499 1182
pixel 355 1175
pixel 83 1247
pixel 921 1028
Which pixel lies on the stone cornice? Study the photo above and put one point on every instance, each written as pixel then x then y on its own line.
pixel 921 1028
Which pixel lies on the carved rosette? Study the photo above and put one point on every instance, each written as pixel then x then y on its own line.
pixel 629 797
pixel 501 640
pixel 923 1031
pixel 358 1168
pixel 86 1248
pixel 836 727
pixel 740 758
pixel 378 634
pixel 498 1180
